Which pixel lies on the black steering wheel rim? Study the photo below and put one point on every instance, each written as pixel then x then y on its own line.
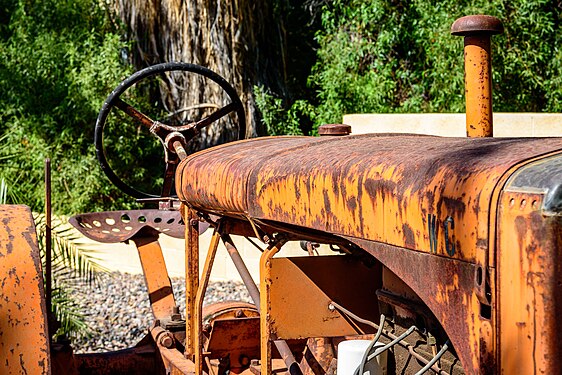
pixel 133 79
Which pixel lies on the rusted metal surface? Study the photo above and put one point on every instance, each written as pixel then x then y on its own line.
pixel 334 129
pixel 236 339
pixel 215 160
pixel 281 345
pixel 175 363
pixel 439 204
pixel 400 190
pixel 319 357
pixel 233 332
pixel 267 336
pixel 24 342
pixel 477 31
pixel 191 281
pixel 158 283
pixel 293 367
pixel 120 226
pixel 530 270
pixel 139 360
pixel 477 24
pixel 63 361
pixel 317 281
pixel 228 310
pixel 162 336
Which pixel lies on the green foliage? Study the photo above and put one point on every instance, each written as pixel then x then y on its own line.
pixel 378 56
pixel 58 61
pixel 276 119
pixel 287 107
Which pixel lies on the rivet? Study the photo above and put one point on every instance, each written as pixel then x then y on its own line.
pixel 535 205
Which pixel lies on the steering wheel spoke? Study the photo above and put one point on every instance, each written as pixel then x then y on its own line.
pixel 173 138
pixel 215 116
pixel 136 115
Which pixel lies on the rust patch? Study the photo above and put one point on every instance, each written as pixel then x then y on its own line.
pixel 380 187
pixel 520 230
pixel 409 238
pixel 352 203
pixel 452 206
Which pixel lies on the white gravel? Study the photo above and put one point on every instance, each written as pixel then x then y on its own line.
pixel 118 311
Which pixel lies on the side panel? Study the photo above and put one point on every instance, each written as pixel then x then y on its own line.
pixel 24 344
pixel 529 238
pixel 530 280
pixel 302 289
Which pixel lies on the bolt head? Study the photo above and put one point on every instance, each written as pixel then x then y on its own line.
pixel 166 341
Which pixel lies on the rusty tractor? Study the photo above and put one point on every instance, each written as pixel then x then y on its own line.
pixel 444 250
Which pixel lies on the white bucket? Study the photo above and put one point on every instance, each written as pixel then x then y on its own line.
pixel 350 354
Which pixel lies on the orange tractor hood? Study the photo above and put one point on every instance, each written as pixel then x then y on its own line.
pixel 425 193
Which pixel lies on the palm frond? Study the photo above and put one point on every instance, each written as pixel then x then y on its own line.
pixel 72 257
pixel 73 264
pixel 68 314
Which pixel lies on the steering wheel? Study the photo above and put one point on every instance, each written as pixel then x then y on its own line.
pixel 172 138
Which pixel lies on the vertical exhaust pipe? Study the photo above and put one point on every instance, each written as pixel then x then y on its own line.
pixel 477 31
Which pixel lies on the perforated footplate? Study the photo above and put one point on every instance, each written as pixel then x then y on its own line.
pixel 119 226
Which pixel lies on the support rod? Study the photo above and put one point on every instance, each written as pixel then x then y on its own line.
pixel 191 279
pixel 48 248
pixel 242 269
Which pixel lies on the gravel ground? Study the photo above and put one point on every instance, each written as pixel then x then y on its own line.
pixel 118 311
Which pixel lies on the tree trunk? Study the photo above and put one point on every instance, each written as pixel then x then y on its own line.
pixel 238 39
